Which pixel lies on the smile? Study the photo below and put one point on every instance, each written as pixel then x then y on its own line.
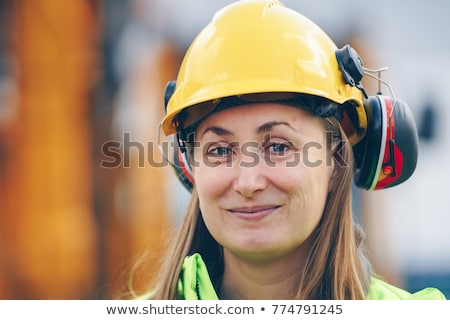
pixel 253 213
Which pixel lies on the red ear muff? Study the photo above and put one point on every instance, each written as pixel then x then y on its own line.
pixel 182 168
pixel 177 157
pixel 387 155
pixel 367 151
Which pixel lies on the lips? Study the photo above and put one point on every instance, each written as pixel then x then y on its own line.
pixel 256 209
pixel 253 212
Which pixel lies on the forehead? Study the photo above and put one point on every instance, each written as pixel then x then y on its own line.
pixel 256 114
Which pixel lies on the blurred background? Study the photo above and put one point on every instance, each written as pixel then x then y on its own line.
pixel 82 193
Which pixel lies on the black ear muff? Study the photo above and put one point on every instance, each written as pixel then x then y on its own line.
pixel 182 168
pixel 368 151
pixel 387 155
pixel 178 157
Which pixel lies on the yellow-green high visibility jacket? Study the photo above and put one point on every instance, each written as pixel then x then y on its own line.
pixel 195 284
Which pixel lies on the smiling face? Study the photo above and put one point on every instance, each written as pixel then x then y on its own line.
pixel 262 173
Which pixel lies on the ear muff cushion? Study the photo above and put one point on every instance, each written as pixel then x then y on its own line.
pixel 367 152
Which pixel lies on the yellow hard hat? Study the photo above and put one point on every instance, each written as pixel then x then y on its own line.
pixel 261 46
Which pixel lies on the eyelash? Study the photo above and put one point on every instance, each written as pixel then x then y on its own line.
pixel 217 151
pixel 222 151
pixel 285 145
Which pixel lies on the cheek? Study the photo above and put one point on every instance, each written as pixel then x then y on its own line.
pixel 308 179
pixel 210 182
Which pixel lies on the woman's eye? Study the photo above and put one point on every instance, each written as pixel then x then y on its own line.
pixel 219 151
pixel 278 148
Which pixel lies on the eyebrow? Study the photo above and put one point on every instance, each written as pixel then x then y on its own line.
pixel 217 130
pixel 267 127
pixel 264 128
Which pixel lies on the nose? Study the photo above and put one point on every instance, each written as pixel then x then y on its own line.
pixel 250 177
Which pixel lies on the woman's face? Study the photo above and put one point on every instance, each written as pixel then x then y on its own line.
pixel 262 173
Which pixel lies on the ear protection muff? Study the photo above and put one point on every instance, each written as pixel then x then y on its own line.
pixel 180 161
pixel 182 167
pixel 387 155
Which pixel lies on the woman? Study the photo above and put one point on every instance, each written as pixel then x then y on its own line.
pixel 269 115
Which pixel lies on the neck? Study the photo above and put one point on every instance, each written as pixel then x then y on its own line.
pixel 259 279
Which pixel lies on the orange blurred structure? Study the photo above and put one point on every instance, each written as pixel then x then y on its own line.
pixel 47 224
pixel 137 224
pixel 56 242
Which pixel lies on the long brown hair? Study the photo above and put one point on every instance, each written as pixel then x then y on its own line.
pixel 335 267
